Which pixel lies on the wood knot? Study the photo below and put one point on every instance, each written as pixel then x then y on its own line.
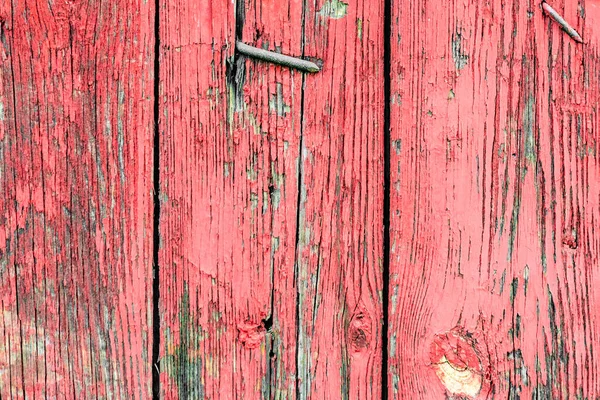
pixel 250 334
pixel 457 362
pixel 359 332
pixel 359 338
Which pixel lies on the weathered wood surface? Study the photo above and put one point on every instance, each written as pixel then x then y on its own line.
pixel 494 201
pixel 271 201
pixel 340 233
pixel 75 211
pixel 229 141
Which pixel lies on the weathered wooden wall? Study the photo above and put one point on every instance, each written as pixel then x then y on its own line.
pixel 272 280
pixel 494 201
pixel 75 206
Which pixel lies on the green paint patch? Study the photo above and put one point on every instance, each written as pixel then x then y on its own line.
pixel 502 151
pixel 397 144
pixel 396 99
pixel 277 178
pixel 393 346
pixel 253 200
pixel 459 56
pixel 359 28
pixel 513 290
pixel 521 375
pixel 395 382
pixel 183 362
pixel 333 9
pixel 525 279
pixel 395 298
pixel 251 171
pixel 265 201
pixel 528 126
pixel 556 354
pixel 275 198
pixel 514 224
pixel 502 281
pixel 276 103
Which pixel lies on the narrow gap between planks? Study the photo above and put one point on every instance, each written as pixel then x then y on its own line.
pixel 387 138
pixel 156 215
pixel 299 204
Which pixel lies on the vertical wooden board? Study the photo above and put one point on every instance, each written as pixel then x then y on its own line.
pixel 272 110
pixel 340 242
pixel 75 211
pixel 230 130
pixel 494 201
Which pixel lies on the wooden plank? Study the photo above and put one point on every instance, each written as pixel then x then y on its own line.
pixel 340 243
pixel 230 167
pixel 75 211
pixel 494 201
pixel 230 132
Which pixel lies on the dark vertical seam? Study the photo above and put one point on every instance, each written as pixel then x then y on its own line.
pixel 240 13
pixel 387 137
pixel 299 207
pixel 297 243
pixel 156 215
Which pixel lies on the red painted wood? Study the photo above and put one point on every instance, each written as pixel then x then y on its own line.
pixel 228 221
pixel 271 196
pixel 340 243
pixel 237 273
pixel 271 108
pixel 494 201
pixel 75 212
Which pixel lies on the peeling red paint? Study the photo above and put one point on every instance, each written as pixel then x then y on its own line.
pixel 251 335
pixel 271 198
pixel 75 209
pixel 494 199
pixel 273 195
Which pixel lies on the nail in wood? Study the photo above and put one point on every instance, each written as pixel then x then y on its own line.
pixel 276 58
pixel 561 21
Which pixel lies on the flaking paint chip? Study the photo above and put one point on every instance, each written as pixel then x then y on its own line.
pixel 334 9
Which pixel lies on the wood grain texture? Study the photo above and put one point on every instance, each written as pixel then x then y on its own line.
pixel 494 201
pixel 75 210
pixel 229 145
pixel 271 193
pixel 340 241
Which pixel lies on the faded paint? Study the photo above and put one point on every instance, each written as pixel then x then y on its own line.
pixel 232 194
pixel 271 193
pixel 75 238
pixel 494 199
pixel 334 9
pixel 283 158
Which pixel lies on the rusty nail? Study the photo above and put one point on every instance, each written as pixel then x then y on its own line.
pixel 561 21
pixel 271 56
